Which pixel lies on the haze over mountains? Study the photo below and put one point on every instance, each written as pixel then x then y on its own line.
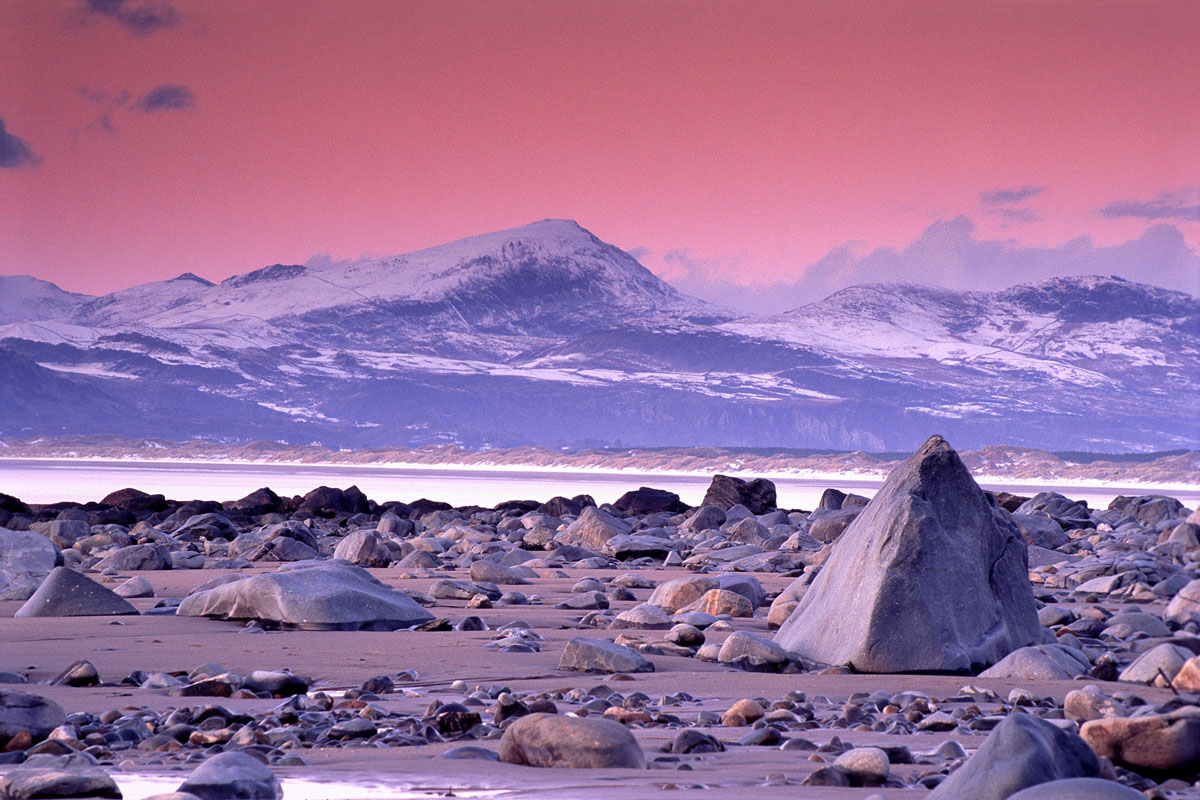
pixel 546 335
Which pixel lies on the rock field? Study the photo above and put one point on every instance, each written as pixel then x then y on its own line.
pixel 936 641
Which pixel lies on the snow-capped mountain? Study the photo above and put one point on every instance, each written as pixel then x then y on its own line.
pixel 546 335
pixel 23 297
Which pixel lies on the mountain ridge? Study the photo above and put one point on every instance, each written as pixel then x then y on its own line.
pixel 544 334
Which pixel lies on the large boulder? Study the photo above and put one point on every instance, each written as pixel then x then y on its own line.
pixel 547 740
pixel 136 557
pixel 593 529
pixel 929 578
pixel 232 775
pixel 365 548
pixel 32 713
pixel 1165 745
pixel 310 596
pixel 66 593
pixel 726 491
pixel 647 500
pixel 26 558
pixel 1078 789
pixel 1185 606
pixel 46 776
pixel 1022 751
pixel 1043 662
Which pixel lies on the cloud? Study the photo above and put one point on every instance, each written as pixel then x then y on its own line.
pixel 1004 197
pixel 1183 206
pixel 1015 215
pixel 639 252
pixel 140 19
pixel 949 253
pixel 15 152
pixel 169 97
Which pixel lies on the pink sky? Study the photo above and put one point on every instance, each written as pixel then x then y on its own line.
pixel 754 135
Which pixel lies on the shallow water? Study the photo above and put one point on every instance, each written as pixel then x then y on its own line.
pixel 47 481
pixel 136 787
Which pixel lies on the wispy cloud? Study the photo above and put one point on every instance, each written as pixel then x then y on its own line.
pixel 140 19
pixel 1015 215
pixel 948 253
pixel 1183 206
pixel 1004 197
pixel 15 152
pixel 169 97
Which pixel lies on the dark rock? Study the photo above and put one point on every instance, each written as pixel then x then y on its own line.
pixel 260 501
pixel 649 501
pixel 79 673
pixel 542 740
pixel 725 491
pixel 328 502
pixel 1022 751
pixel 929 578
pixel 690 740
pixel 47 776
pixel 233 775
pixel 829 525
pixel 66 593
pixel 22 711
pixel 1078 789
pixel 136 501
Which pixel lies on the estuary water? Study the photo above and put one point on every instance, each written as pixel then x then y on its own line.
pixel 82 480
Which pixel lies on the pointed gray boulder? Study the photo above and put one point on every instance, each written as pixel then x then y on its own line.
pixel 928 578
pixel 66 593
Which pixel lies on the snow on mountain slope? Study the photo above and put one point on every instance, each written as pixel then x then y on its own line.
pixel 23 297
pixel 473 282
pixel 1061 323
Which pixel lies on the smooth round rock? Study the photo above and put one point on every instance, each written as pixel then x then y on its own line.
pixel 543 740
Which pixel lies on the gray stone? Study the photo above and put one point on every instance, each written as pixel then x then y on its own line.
pixel 492 572
pixel 706 518
pixel 46 776
pixel 1040 531
pixel 23 711
pixel 643 616
pixel 546 740
pixel 26 558
pixel 136 557
pixel 745 643
pixel 1078 789
pixel 1043 662
pixel 1165 658
pixel 365 548
pixel 136 586
pixel 66 593
pixel 929 578
pixel 597 655
pixel 747 586
pixel 232 775
pixel 1185 606
pixel 864 766
pixel 1021 751
pixel 310 596
pixel 593 528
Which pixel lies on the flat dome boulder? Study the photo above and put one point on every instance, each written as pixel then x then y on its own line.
pixel 309 595
pixel 929 578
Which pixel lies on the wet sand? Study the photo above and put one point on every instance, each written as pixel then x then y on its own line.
pixel 41 648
